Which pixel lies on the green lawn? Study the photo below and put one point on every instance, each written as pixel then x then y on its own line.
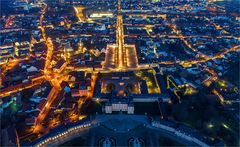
pixel 150 78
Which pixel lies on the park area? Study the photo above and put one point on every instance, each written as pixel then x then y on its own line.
pixel 151 81
pixel 203 112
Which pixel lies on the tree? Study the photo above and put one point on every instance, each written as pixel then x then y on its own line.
pixel 180 111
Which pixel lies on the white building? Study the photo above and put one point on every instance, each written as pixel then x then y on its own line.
pixel 120 106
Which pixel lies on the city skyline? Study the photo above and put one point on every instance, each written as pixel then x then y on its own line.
pixel 119 73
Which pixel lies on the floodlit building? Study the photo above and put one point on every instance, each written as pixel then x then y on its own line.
pixel 6 52
pixel 22 48
pixel 117 105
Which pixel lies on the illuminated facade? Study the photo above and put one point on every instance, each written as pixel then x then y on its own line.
pixel 6 52
pixel 22 48
pixel 79 13
pixel 101 14
pixel 116 107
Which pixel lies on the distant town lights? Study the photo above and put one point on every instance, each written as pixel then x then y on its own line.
pixel 98 15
